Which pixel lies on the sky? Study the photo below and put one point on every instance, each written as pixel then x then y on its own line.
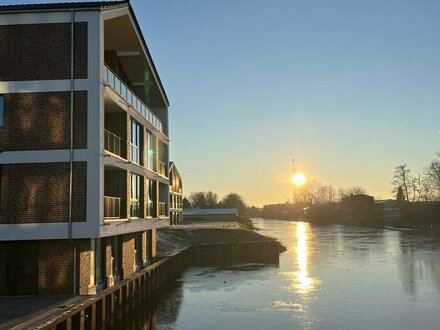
pixel 348 88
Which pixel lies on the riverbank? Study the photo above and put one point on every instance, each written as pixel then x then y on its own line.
pixel 174 239
pixel 177 248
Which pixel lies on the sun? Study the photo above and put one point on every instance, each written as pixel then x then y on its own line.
pixel 298 179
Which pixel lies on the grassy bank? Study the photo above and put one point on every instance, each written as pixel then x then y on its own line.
pixel 175 238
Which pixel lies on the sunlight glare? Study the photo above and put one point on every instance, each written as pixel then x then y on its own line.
pixel 298 179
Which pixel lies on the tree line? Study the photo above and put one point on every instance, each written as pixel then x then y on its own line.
pixel 418 187
pixel 210 200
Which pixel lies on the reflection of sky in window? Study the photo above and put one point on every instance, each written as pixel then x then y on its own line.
pixel 1 110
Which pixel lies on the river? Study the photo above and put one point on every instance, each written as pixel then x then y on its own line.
pixel 330 277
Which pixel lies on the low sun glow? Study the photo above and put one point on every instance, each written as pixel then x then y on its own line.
pixel 298 179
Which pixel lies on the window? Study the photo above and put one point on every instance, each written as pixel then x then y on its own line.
pixel 135 141
pixel 151 146
pixel 135 196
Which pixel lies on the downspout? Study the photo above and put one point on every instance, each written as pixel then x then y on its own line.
pixel 72 88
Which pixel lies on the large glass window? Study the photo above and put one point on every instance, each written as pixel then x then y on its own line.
pixel 150 150
pixel 135 141
pixel 135 196
pixel 151 198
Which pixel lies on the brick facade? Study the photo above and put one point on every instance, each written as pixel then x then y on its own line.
pixel 41 192
pixel 128 254
pixel 55 266
pixel 42 51
pixel 41 121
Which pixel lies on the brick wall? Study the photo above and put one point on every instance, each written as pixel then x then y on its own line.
pixel 127 254
pixel 83 270
pixel 40 192
pixel 108 260
pixel 55 266
pixel 153 243
pixel 42 51
pixel 41 121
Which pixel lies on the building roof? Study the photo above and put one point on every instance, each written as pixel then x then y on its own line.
pixel 197 212
pixel 171 167
pixel 101 5
pixel 64 5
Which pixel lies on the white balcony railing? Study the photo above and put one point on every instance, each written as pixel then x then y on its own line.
pixel 162 209
pixel 128 95
pixel 135 210
pixel 112 143
pixel 162 169
pixel 112 207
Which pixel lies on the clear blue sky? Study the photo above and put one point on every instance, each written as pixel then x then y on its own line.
pixel 348 88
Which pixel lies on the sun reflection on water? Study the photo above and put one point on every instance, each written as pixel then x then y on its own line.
pixel 304 282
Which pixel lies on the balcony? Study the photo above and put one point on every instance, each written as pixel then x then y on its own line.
pixel 112 143
pixel 162 169
pixel 129 96
pixel 135 210
pixel 162 209
pixel 112 207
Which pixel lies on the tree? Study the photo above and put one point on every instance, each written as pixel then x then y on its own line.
pixel 433 175
pixel 234 200
pixel 186 203
pixel 198 199
pixel 402 178
pixel 353 190
pixel 400 196
pixel 211 200
pixel 204 199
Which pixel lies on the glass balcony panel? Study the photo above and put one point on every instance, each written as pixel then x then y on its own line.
pixel 112 207
pixel 112 143
pixel 131 98
pixel 162 209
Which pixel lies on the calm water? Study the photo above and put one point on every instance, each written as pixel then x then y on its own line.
pixel 333 277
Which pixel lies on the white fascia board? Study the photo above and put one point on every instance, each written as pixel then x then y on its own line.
pixel 43 156
pixel 42 231
pixel 35 86
pixel 125 165
pixel 112 228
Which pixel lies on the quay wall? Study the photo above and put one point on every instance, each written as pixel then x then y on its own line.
pixel 93 312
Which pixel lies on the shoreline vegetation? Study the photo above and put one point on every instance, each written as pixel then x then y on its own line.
pixel 416 217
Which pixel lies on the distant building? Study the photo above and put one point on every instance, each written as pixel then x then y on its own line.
pixel 84 141
pixel 176 195
pixel 210 214
pixel 360 204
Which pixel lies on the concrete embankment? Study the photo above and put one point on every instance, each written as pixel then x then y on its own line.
pixel 178 248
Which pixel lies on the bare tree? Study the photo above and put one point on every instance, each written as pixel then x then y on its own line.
pixel 353 190
pixel 433 175
pixel 204 199
pixel 402 178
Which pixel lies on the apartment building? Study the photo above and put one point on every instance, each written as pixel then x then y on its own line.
pixel 176 195
pixel 84 148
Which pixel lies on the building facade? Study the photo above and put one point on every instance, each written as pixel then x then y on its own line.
pixel 84 148
pixel 176 195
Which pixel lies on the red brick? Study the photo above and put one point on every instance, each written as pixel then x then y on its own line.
pixel 28 51
pixel 41 121
pixel 40 192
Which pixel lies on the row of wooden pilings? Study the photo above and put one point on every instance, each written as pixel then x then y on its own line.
pixel 98 310
pixel 95 312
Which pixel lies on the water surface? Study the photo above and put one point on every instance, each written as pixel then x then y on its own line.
pixel 332 277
